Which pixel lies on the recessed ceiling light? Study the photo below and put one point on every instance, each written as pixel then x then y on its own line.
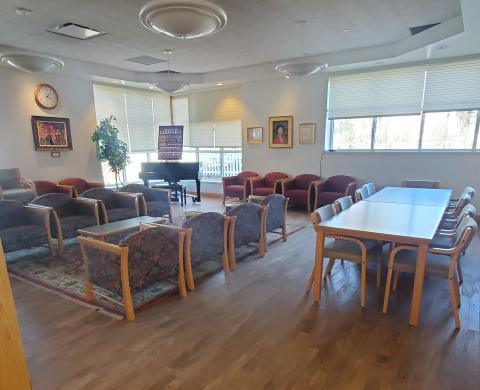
pixel 23 11
pixel 287 76
pixel 443 46
pixel 346 29
pixel 219 84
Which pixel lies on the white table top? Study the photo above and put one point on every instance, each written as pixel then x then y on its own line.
pixel 419 196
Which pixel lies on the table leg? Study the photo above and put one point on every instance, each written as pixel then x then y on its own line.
pixel 318 269
pixel 418 284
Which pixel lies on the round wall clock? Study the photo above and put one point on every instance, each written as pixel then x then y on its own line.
pixel 46 96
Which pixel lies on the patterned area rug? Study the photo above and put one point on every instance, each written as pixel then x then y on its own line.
pixel 63 275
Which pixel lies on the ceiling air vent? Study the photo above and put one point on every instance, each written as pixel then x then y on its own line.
pixel 76 31
pixel 145 60
pixel 418 29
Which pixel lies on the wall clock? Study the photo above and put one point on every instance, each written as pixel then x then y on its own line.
pixel 46 96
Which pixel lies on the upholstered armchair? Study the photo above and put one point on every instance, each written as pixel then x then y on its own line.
pixel 268 184
pixel 300 190
pixel 43 187
pixel 247 225
pixel 115 206
pixel 14 187
pixel 23 227
pixel 237 186
pixel 139 261
pixel 68 215
pixel 276 215
pixel 328 191
pixel 155 201
pixel 80 185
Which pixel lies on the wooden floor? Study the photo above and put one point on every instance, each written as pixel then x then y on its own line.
pixel 256 329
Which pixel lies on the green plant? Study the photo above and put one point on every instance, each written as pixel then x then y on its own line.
pixel 111 149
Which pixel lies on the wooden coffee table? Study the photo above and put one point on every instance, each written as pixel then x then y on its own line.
pixel 102 232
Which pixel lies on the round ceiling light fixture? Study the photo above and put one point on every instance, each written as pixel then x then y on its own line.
pixel 170 86
pixel 300 69
pixel 31 62
pixel 184 19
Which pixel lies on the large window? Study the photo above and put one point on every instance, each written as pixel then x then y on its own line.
pixel 433 107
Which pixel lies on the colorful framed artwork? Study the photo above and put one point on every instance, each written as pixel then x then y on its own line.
pixel 255 135
pixel 306 133
pixel 51 134
pixel 281 131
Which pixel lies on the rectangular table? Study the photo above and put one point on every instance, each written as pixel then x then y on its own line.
pixel 414 224
pixel 420 196
pixel 101 232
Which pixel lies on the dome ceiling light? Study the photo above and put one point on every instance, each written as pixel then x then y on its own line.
pixel 31 62
pixel 184 19
pixel 171 83
pixel 301 68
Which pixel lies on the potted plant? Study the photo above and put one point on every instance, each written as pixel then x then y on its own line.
pixel 111 149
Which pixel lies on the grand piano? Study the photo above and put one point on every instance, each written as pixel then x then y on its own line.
pixel 171 172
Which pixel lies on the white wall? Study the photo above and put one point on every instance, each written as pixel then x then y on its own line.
pixel 17 105
pixel 305 99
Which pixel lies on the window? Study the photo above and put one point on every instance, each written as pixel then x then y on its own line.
pixel 434 107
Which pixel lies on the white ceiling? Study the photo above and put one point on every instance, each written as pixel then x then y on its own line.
pixel 258 31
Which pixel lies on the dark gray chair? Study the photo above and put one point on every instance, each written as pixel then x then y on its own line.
pixel 23 227
pixel 276 215
pixel 14 187
pixel 155 202
pixel 114 206
pixel 68 214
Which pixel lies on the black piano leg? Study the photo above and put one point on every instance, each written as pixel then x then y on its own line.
pixel 198 191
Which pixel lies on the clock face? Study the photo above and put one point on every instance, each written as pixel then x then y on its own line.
pixel 46 96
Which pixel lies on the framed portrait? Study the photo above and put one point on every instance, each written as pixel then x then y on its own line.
pixel 255 135
pixel 306 133
pixel 51 134
pixel 281 131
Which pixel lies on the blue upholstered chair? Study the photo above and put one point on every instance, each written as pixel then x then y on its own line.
pixel 23 227
pixel 277 214
pixel 155 202
pixel 68 214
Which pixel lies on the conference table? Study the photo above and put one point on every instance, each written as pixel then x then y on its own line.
pixel 394 214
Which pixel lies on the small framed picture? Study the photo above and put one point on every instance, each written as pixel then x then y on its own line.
pixel 255 135
pixel 281 131
pixel 306 133
pixel 51 134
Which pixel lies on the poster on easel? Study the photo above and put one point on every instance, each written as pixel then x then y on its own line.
pixel 170 142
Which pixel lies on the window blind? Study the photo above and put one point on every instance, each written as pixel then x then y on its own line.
pixel 227 123
pixel 140 121
pixel 181 117
pixel 453 86
pixel 201 134
pixel 385 92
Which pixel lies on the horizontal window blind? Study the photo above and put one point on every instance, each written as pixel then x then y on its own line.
pixel 140 121
pixel 201 134
pixel 228 126
pixel 376 93
pixel 181 117
pixel 453 86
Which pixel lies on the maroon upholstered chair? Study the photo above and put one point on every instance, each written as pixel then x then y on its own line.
pixel 237 186
pixel 300 189
pixel 80 185
pixel 43 187
pixel 268 184
pixel 328 191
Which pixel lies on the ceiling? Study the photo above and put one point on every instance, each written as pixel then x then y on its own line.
pixel 258 31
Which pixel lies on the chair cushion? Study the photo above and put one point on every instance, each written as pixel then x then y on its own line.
pixel 406 261
pixel 236 190
pixel 442 242
pixel 120 214
pixel 70 225
pixel 263 191
pixel 23 195
pixel 348 250
pixel 157 209
pixel 297 196
pixel 22 237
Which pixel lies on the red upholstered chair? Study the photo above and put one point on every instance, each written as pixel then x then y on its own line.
pixel 268 184
pixel 43 187
pixel 300 189
pixel 80 185
pixel 328 191
pixel 237 186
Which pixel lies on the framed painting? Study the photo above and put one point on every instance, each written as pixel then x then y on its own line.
pixel 281 131
pixel 51 134
pixel 306 133
pixel 255 135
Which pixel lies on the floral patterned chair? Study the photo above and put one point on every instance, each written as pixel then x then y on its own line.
pixel 300 190
pixel 43 187
pixel 68 215
pixel 247 225
pixel 80 185
pixel 23 227
pixel 237 186
pixel 155 201
pixel 136 263
pixel 14 187
pixel 115 206
pixel 335 187
pixel 268 184
pixel 277 214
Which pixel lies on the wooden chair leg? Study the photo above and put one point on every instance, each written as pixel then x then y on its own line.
pixel 395 280
pixel 453 298
pixel 328 270
pixel 363 292
pixel 310 281
pixel 127 295
pixel 457 292
pixel 459 272
pixel 388 283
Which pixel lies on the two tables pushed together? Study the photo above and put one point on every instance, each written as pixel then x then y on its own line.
pixel 397 215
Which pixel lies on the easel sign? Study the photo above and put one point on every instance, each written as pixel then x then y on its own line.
pixel 170 142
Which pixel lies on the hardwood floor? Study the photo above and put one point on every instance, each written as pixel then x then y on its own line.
pixel 256 329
